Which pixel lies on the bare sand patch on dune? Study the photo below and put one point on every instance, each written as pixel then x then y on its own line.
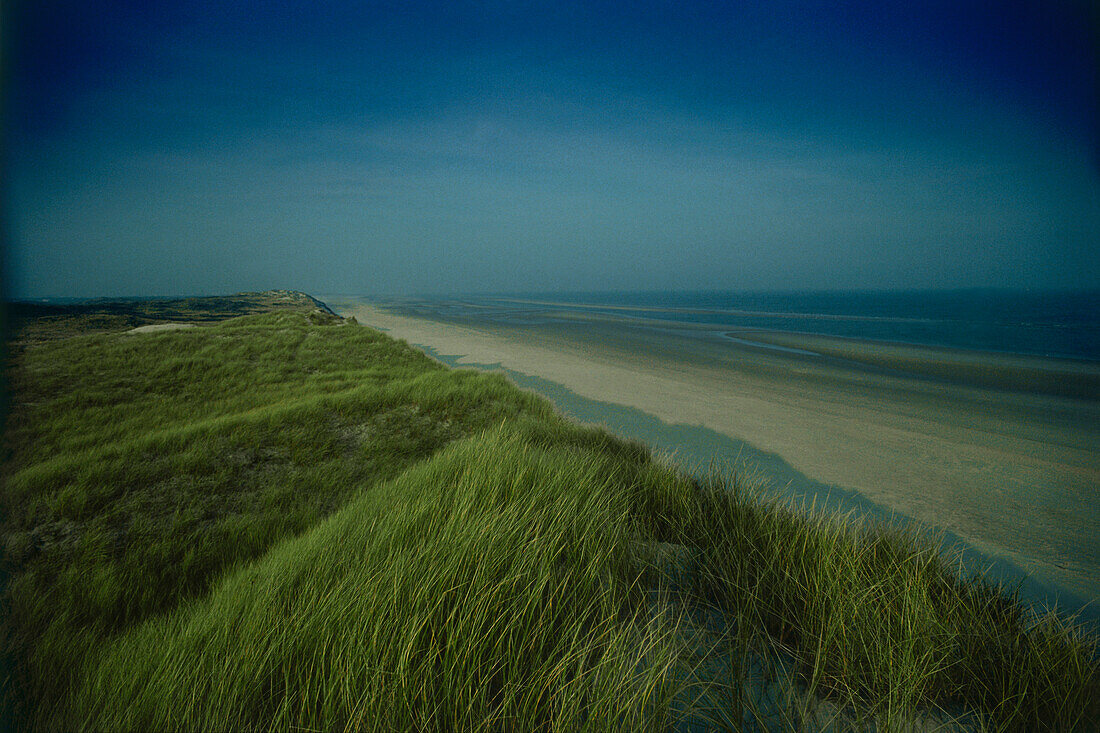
pixel 1015 474
pixel 155 327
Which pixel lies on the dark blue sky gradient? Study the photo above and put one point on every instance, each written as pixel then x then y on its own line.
pixel 408 147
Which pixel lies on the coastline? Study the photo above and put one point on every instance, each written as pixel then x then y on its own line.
pixel 1013 474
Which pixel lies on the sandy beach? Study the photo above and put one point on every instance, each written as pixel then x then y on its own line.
pixel 952 442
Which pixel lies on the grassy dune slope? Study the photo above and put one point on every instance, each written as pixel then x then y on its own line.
pixel 36 322
pixel 140 467
pixel 289 521
pixel 479 591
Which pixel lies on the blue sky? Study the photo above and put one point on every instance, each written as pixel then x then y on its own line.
pixel 401 148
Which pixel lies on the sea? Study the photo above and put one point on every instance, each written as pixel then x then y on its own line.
pixel 1041 323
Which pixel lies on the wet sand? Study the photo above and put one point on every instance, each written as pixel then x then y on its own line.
pixel 956 441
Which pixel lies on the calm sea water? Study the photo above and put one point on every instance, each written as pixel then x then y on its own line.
pixel 1061 324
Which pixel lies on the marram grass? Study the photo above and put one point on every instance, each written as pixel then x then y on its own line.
pixel 876 621
pixel 286 523
pixel 479 591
